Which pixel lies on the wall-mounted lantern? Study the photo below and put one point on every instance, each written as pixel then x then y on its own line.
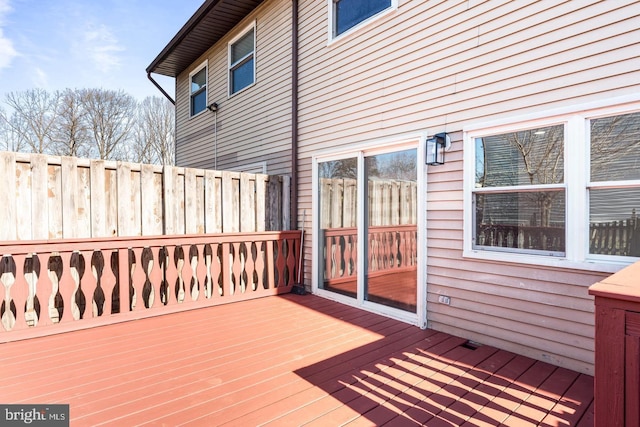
pixel 436 146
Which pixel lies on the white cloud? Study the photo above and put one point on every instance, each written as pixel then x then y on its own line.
pixel 5 8
pixel 40 78
pixel 7 51
pixel 102 48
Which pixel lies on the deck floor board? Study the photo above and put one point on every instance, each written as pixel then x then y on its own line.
pixel 286 360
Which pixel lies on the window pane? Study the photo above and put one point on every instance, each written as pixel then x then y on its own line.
pixel 522 220
pixel 350 13
pixel 198 80
pixel 614 228
pixel 198 102
pixel 242 76
pixel 615 148
pixel 391 252
pixel 529 157
pixel 242 47
pixel 338 196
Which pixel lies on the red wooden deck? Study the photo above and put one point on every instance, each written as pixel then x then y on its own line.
pixel 287 360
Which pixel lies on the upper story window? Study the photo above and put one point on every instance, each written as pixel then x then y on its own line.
pixel 198 89
pixel 563 191
pixel 347 14
pixel 242 70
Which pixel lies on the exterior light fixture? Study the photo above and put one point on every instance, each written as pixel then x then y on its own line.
pixel 436 146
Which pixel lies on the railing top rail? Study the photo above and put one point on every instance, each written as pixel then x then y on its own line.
pixel 340 231
pixel 105 243
pixel 623 285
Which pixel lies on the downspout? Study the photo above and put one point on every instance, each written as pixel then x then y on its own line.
pixel 164 208
pixel 155 83
pixel 294 116
pixel 299 287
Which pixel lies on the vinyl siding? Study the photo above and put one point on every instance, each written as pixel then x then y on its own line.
pixel 265 106
pixel 439 66
pixel 542 312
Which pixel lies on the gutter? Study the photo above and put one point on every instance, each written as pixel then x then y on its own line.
pixel 155 83
pixel 294 117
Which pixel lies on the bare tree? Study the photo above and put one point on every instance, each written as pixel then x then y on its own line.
pixel 111 117
pixel 614 143
pixel 100 123
pixel 345 168
pixel 398 165
pixel 542 162
pixel 140 150
pixel 71 131
pixel 155 132
pixel 10 139
pixel 542 154
pixel 34 111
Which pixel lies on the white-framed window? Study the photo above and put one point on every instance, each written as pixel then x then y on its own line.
pixel 257 167
pixel 198 89
pixel 562 190
pixel 347 15
pixel 614 185
pixel 242 61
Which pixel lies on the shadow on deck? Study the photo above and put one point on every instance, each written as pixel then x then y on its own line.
pixel 287 360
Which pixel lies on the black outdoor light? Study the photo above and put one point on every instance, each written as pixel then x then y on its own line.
pixel 436 146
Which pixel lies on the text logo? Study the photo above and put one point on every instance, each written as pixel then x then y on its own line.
pixel 34 415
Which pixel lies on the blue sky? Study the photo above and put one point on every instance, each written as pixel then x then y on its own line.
pixel 58 44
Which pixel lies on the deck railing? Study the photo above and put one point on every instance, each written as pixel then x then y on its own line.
pixel 56 286
pixel 521 237
pixel 390 249
pixel 617 348
pixel 605 238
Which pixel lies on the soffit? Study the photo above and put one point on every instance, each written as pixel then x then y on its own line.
pixel 208 25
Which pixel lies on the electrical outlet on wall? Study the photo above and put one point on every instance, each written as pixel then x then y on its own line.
pixel 443 299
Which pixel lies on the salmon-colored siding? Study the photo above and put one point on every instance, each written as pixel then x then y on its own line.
pixel 433 66
pixel 253 125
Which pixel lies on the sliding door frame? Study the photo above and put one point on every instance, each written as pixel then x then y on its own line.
pixel 360 151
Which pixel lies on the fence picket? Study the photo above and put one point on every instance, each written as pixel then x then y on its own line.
pixel 23 202
pixel 190 201
pixel 7 201
pixel 247 203
pixel 98 199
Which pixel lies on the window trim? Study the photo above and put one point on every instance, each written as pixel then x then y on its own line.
pixel 520 188
pixel 332 37
pixel 205 65
pixel 232 66
pixel 257 167
pixel 576 183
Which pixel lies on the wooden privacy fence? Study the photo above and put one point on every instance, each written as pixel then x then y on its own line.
pixel 48 197
pixel 389 202
pixel 55 286
pixel 616 237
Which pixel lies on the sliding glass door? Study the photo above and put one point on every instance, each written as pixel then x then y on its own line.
pixel 367 208
pixel 391 229
pixel 338 211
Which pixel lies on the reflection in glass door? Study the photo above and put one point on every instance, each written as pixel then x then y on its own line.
pixel 391 229
pixel 338 202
